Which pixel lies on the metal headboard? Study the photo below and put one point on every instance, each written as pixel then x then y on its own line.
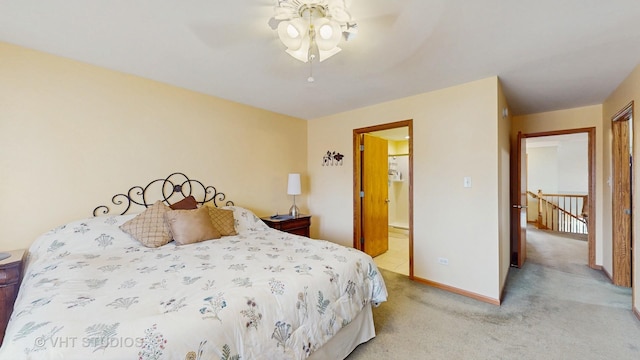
pixel 174 184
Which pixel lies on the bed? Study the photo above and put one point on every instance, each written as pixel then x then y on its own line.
pixel 92 290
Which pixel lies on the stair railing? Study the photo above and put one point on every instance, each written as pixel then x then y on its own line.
pixel 561 212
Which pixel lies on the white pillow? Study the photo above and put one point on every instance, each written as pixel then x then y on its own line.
pixel 245 220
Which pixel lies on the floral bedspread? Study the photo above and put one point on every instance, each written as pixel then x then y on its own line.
pixel 92 292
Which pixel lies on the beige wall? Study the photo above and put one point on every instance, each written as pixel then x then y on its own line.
pixel 583 117
pixel 72 135
pixel 627 91
pixel 455 135
pixel 504 185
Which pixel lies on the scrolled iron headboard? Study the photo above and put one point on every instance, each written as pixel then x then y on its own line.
pixel 176 183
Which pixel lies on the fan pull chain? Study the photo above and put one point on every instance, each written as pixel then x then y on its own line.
pixel 310 78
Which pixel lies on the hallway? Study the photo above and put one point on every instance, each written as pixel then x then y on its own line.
pixel 559 261
pixel 561 251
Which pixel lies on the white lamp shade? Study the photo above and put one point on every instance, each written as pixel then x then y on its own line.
pixel 293 185
pixel 328 33
pixel 302 53
pixel 284 32
pixel 327 54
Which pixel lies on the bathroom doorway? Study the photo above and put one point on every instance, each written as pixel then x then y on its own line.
pixel 397 180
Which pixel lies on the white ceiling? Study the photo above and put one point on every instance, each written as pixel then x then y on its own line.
pixel 549 54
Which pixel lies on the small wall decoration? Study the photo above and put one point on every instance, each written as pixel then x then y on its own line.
pixel 332 158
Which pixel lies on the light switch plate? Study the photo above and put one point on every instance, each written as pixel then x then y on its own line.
pixel 467 181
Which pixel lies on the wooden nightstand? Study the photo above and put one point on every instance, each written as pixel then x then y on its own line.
pixel 298 226
pixel 10 278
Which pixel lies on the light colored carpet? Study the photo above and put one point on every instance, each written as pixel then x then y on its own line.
pixel 555 307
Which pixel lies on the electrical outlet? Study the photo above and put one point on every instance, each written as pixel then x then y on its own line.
pixel 443 261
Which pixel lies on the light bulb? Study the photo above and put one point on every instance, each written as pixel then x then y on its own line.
pixel 292 31
pixel 326 31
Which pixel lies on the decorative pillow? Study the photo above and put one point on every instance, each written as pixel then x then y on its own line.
pixel 188 203
pixel 245 220
pixel 191 226
pixel 149 226
pixel 222 219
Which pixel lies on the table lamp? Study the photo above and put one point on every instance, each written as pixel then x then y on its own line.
pixel 293 188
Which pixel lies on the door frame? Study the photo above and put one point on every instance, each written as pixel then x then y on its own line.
pixel 621 276
pixel 357 182
pixel 591 205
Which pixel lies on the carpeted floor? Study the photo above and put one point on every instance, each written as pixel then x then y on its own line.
pixel 555 307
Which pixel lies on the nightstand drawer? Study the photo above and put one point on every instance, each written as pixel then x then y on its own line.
pixel 303 231
pixel 298 226
pixel 10 277
pixel 293 224
pixel 10 274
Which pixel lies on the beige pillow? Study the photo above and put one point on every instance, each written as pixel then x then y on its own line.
pixel 149 226
pixel 191 226
pixel 222 220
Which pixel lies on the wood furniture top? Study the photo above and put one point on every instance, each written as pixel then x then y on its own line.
pixel 298 226
pixel 16 255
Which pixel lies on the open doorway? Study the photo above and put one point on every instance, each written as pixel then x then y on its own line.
pixel 558 183
pixel 580 211
pixel 557 200
pixel 383 195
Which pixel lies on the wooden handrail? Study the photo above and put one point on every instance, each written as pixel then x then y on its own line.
pixel 556 207
pixel 544 203
pixel 559 195
pixel 562 195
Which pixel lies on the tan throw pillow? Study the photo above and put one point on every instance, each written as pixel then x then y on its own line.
pixel 149 226
pixel 222 220
pixel 191 226
pixel 188 203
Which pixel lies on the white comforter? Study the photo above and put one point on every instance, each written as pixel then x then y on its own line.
pixel 92 292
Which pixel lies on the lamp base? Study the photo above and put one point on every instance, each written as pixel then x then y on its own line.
pixel 294 211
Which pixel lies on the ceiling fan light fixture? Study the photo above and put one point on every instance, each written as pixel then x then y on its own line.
pixel 309 27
